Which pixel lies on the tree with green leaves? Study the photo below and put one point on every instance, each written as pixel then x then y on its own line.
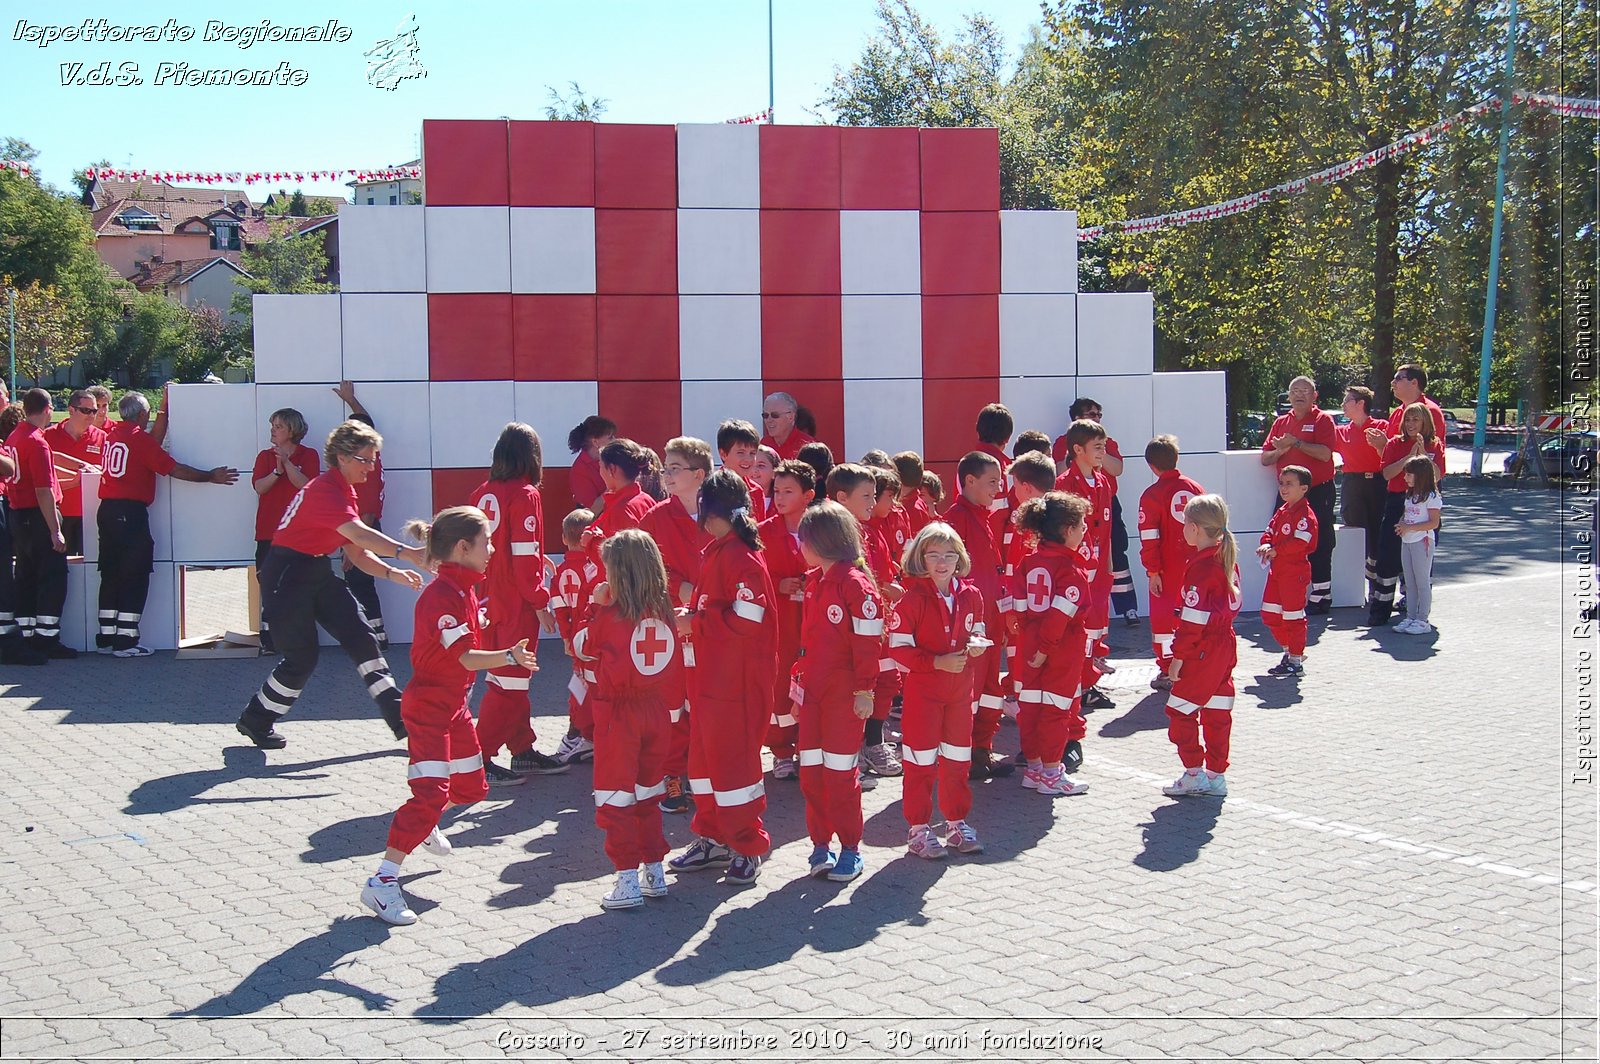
pixel 50 327
pixel 574 108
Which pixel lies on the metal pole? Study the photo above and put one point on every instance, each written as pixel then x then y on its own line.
pixel 772 94
pixel 1494 248
pixel 11 332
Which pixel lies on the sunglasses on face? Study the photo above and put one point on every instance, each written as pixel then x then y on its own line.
pixel 363 461
pixel 90 410
pixel 772 417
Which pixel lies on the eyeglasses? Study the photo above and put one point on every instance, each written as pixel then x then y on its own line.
pixel 675 469
pixel 90 410
pixel 941 557
pixel 773 417
pixel 363 461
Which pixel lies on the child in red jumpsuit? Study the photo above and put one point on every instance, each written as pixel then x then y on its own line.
pixel 842 637
pixel 571 587
pixel 1204 652
pixel 734 626
pixel 934 632
pixel 637 693
pixel 1163 551
pixel 1286 548
pixel 888 532
pixel 624 504
pixel 1053 595
pixel 1086 454
pixel 446 764
pixel 794 486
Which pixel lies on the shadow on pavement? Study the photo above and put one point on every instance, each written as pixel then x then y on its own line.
pixel 169 793
pixel 1274 692
pixel 1147 714
pixel 1176 832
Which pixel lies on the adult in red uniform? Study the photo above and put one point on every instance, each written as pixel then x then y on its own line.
pixel 1205 651
pixel 41 550
pixel 587 439
pixel 446 764
pixel 305 593
pixel 518 603
pixel 630 644
pixel 1163 551
pixel 133 460
pixel 1360 443
pixel 842 638
pixel 793 488
pixel 369 503
pixel 972 518
pixel 782 434
pixel 1306 436
pixel 1409 386
pixel 281 470
pixel 735 631
pixel 1286 546
pixel 1085 479
pixel 11 648
pixel 76 446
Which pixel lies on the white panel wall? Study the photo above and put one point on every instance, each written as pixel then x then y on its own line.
pixel 214 522
pixel 882 336
pixel 552 408
pixel 1116 333
pixel 400 410
pixel 719 252
pixel 706 404
pixel 1252 491
pixel 719 337
pixel 1209 470
pixel 719 165
pixel 881 413
pixel 158 628
pixel 297 338
pixel 1038 251
pixel 408 493
pixel 880 252
pixel 1038 336
pixel 322 409
pixel 469 249
pixel 80 614
pixel 1125 403
pixel 466 419
pixel 381 249
pixel 1039 402
pixel 1252 578
pixel 1349 568
pixel 385 336
pixel 552 249
pixel 1194 408
pixel 212 425
pixel 161 519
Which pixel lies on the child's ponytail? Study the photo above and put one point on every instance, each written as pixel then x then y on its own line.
pixel 438 538
pixel 1228 555
pixel 725 495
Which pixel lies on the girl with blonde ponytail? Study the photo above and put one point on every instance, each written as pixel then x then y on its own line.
pixel 1204 652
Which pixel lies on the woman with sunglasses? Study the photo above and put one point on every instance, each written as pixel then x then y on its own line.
pixel 302 592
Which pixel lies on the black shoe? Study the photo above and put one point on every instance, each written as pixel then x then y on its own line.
pixel 533 763
pixel 985 766
pixel 1019 759
pixel 1094 698
pixel 1378 620
pixel 676 799
pixel 1317 609
pixel 1281 668
pixel 263 736
pixel 500 776
pixel 1072 760
pixel 391 717
pixel 56 650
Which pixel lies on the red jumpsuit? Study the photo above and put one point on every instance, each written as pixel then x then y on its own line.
pixel 446 764
pixel 624 508
pixel 1207 651
pixel 1164 551
pixel 1293 534
pixel 975 526
pixel 636 695
pixel 1097 488
pixel 884 563
pixel 574 583
pixel 681 541
pixel 841 636
pixel 781 551
pixel 918 516
pixel 1052 596
pixel 516 593
pixel 730 695
pixel 936 717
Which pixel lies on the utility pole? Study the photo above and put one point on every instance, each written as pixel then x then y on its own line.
pixel 11 333
pixel 772 94
pixel 1482 417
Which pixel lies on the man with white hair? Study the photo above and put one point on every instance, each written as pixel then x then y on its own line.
pixel 132 461
pixel 777 421
pixel 1306 436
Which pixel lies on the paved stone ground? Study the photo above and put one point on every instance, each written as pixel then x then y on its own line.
pixel 1404 870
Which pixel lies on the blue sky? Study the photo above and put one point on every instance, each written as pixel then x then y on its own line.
pixel 700 61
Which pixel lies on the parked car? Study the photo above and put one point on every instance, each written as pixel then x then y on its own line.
pixel 1456 430
pixel 1569 455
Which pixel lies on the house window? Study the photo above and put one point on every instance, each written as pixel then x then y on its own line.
pixel 369 201
pixel 394 201
pixel 224 237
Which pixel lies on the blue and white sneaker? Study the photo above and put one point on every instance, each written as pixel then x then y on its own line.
pixel 847 867
pixel 702 853
pixel 822 862
pixel 742 871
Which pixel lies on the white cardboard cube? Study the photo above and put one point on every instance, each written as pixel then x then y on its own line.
pixel 882 413
pixel 1038 336
pixel 719 338
pixel 719 165
pixel 214 522
pixel 1126 409
pixel 158 627
pixel 719 252
pixel 1252 578
pixel 381 249
pixel 880 252
pixel 1194 408
pixel 298 339
pixel 212 425
pixel 1038 251
pixel 401 411
pixel 881 336
pixel 552 408
pixel 469 249
pixel 1252 491
pixel 1349 567
pixel 1209 469
pixel 408 493
pixel 467 417
pixel 707 404
pixel 1039 402
pixel 161 519
pixel 323 410
pixel 77 628
pixel 385 336
pixel 552 249
pixel 1116 333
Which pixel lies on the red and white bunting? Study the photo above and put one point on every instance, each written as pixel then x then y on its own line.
pixel 240 177
pixel 750 120
pixel 17 165
pixel 1571 106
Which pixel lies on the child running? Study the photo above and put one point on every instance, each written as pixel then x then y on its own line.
pixel 1204 652
pixel 446 763
pixel 1285 549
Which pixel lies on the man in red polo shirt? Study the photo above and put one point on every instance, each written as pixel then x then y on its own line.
pixel 133 460
pixel 75 447
pixel 777 420
pixel 41 551
pixel 1408 384
pixel 1306 436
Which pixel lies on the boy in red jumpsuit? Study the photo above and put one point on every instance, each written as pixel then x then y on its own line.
pixel 1086 451
pixel 1286 546
pixel 574 581
pixel 793 487
pixel 908 466
pixel 1163 551
pixel 888 532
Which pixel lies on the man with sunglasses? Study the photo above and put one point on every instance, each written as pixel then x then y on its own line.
pixel 75 448
pixel 777 422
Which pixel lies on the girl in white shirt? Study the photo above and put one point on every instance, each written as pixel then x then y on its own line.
pixel 1417 523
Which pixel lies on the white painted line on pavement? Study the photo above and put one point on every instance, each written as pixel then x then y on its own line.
pixel 1544 574
pixel 1360 834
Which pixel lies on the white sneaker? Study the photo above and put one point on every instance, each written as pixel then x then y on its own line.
pixel 1419 628
pixel 1060 784
pixel 383 897
pixel 1216 785
pixel 625 893
pixel 922 842
pixel 436 843
pixel 574 748
pixel 653 880
pixel 1193 781
pixel 784 768
pixel 1031 778
pixel 133 652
